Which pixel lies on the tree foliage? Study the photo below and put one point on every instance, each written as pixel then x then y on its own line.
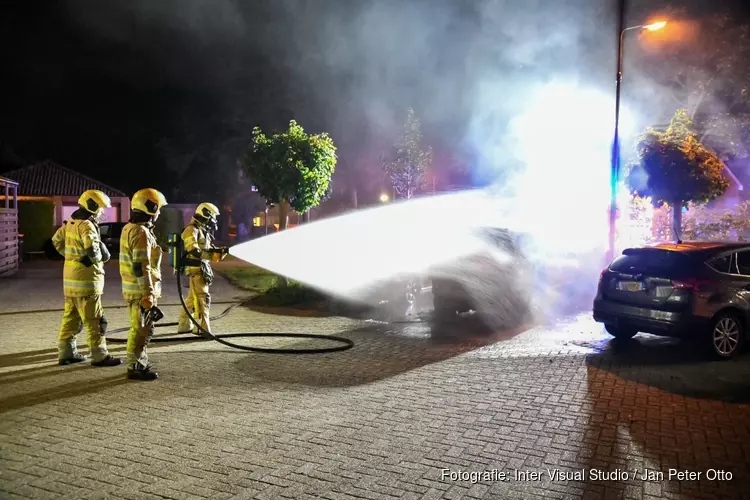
pixel 406 163
pixel 291 167
pixel 675 168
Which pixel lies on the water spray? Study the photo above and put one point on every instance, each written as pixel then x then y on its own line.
pixel 177 257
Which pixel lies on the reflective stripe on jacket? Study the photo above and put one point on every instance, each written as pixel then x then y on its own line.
pixel 75 240
pixel 196 241
pixel 140 261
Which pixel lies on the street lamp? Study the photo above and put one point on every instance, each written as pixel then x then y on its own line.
pixel 383 198
pixel 616 143
pixel 655 26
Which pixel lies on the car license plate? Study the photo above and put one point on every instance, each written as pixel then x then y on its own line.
pixel 630 286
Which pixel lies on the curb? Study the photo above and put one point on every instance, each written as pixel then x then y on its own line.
pixel 38 311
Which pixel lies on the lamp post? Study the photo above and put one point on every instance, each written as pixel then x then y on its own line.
pixel 615 173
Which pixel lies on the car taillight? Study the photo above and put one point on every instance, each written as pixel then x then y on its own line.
pixel 604 271
pixel 690 284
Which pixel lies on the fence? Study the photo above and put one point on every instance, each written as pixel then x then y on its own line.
pixel 9 251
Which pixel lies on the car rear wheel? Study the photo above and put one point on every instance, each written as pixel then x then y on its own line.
pixel 621 332
pixel 727 335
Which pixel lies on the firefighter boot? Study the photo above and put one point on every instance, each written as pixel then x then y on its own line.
pixel 74 358
pixel 68 353
pixel 107 361
pixel 137 371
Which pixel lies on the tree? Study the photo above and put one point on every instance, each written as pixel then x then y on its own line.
pixel 290 169
pixel 406 163
pixel 675 168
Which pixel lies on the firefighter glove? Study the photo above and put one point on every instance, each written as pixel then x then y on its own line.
pixel 207 272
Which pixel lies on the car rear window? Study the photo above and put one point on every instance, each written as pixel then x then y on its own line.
pixel 652 259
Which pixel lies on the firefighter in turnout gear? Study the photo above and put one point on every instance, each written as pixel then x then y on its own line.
pixel 78 240
pixel 197 241
pixel 140 269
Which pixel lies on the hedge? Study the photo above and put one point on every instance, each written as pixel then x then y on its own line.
pixel 36 223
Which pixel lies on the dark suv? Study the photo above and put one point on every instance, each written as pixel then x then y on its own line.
pixel 698 290
pixel 110 233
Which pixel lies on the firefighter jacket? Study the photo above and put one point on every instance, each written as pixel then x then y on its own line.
pixel 197 242
pixel 83 273
pixel 140 261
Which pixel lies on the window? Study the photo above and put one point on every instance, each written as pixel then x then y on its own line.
pixel 721 264
pixel 651 260
pixel 743 263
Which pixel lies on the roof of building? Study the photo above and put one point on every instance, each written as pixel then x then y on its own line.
pixel 47 178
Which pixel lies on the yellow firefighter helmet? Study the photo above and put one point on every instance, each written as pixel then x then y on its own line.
pixel 148 201
pixel 94 201
pixel 207 210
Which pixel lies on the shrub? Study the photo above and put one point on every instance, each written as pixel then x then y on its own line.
pixel 700 223
pixel 36 223
pixel 290 293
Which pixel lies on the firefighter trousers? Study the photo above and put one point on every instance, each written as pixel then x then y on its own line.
pixel 138 337
pixel 198 302
pixel 82 313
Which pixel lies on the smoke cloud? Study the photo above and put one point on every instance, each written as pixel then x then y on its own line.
pixel 523 89
pixel 353 67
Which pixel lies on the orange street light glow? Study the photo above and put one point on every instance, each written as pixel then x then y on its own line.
pixel 656 26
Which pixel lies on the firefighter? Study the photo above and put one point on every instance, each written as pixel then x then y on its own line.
pixel 140 269
pixel 197 241
pixel 78 240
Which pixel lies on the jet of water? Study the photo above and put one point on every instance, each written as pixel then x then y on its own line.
pixel 349 254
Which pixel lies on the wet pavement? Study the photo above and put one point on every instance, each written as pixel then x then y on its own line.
pixel 406 413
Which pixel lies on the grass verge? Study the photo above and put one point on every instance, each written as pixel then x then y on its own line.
pixel 251 278
pixel 271 289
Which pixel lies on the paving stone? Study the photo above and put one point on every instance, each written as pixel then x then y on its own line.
pixel 378 421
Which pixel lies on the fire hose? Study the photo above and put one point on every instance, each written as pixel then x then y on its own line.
pixel 177 259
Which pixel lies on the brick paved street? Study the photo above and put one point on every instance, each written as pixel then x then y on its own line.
pixel 381 420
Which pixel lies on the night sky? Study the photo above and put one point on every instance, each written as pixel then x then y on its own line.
pixel 146 94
